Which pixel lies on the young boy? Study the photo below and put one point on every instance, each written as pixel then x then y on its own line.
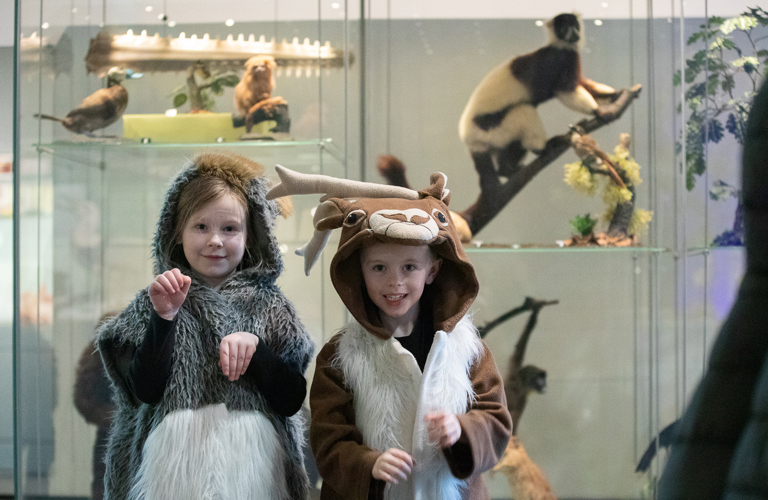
pixel 407 402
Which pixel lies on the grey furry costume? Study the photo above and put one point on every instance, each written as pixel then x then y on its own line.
pixel 208 437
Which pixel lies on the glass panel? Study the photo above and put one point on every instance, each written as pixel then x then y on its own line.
pixel 90 204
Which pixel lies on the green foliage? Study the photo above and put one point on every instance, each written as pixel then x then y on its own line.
pixel 583 225
pixel 711 76
pixel 212 86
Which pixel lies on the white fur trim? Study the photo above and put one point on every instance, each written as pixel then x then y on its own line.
pixel 212 453
pixel 392 396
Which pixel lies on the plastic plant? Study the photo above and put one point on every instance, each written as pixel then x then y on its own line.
pixel 201 94
pixel 616 176
pixel 734 53
pixel 583 225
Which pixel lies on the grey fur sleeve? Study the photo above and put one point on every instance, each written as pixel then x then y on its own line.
pixel 290 340
pixel 118 338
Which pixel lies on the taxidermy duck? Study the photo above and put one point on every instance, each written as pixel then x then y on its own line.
pixel 100 109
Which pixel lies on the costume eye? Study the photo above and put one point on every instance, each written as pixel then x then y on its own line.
pixel 440 216
pixel 354 217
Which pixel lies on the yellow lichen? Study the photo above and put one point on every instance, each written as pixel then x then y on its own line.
pixel 580 178
pixel 613 195
pixel 638 224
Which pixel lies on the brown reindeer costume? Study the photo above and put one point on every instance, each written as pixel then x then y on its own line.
pixel 369 393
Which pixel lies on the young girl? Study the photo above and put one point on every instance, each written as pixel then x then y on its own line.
pixel 207 363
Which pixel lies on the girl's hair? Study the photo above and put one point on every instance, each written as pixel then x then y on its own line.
pixel 220 174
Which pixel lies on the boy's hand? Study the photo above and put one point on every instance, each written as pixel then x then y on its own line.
pixel 168 292
pixel 392 465
pixel 443 428
pixel 235 353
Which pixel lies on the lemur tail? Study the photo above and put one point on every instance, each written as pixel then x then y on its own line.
pixel 393 170
pixel 48 117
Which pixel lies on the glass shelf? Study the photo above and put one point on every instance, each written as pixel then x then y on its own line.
pixel 695 251
pixel 558 249
pixel 303 153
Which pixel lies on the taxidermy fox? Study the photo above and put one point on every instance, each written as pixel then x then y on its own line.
pixel 100 109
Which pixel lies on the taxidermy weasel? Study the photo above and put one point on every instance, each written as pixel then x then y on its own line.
pixel 100 109
pixel 254 92
pixel 500 120
pixel 525 478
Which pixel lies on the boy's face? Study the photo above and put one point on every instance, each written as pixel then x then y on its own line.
pixel 395 276
pixel 214 239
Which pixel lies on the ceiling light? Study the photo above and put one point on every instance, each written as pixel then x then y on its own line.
pixel 229 22
pixel 335 5
pixel 171 24
pixel 148 8
pixel 45 26
pixel 539 23
pixel 598 22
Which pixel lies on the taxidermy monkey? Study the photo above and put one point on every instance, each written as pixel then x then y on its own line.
pixel 521 380
pixel 254 92
pixel 100 109
pixel 525 478
pixel 500 121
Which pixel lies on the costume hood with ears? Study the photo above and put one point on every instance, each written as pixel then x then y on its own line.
pixel 368 212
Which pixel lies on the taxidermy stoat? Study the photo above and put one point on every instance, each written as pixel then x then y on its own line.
pixel 100 109
pixel 500 118
pixel 254 91
pixel 525 478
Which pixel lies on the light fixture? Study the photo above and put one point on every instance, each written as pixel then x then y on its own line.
pixel 335 5
pixel 149 8
pixel 45 26
pixel 229 22
pixel 171 24
pixel 604 5
pixel 598 22
pixel 539 22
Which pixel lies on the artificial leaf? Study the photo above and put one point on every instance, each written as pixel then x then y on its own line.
pixel 715 131
pixel 744 61
pixel 230 80
pixel 677 78
pixel 179 100
pixel 743 22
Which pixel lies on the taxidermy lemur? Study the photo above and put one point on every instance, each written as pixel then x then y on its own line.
pixel 500 121
pixel 254 92
pixel 100 109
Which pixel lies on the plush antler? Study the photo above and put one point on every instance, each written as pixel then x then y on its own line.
pixel 311 250
pixel 297 183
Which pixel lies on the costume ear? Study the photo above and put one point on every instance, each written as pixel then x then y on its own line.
pixel 328 216
pixel 437 188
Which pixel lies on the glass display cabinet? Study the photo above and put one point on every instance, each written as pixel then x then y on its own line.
pixel 380 85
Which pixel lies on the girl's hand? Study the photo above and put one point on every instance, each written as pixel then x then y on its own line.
pixel 235 353
pixel 443 428
pixel 168 292
pixel 392 465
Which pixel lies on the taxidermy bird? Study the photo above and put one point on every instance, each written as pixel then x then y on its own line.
pixel 100 109
pixel 500 122
pixel 254 92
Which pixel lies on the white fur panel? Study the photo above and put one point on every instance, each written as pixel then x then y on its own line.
pixel 392 398
pixel 212 454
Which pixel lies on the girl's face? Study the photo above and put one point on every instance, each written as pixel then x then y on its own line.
pixel 214 239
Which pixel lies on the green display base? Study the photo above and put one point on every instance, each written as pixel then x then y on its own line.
pixel 187 128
